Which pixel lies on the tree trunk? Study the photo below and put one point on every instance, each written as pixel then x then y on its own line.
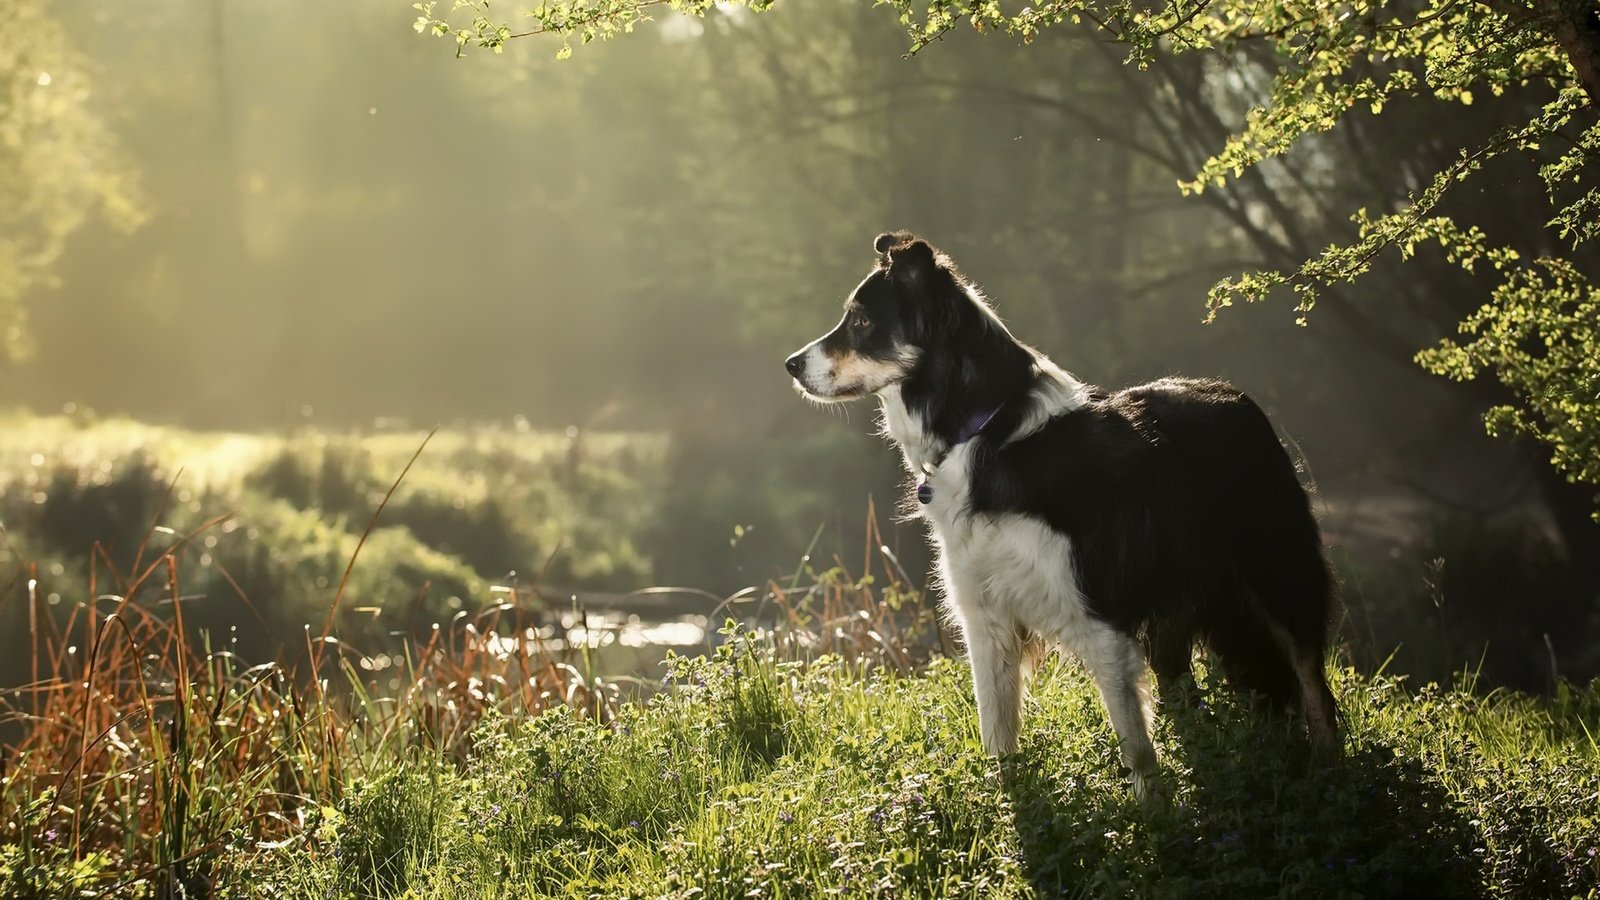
pixel 1575 25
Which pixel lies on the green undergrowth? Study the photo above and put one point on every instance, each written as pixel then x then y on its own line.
pixel 751 777
pixel 265 524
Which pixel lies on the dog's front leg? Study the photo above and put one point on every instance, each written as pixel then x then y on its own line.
pixel 995 649
pixel 1117 664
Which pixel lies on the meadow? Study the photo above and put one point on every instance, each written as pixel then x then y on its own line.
pixel 423 736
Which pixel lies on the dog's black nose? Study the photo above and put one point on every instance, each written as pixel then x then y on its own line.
pixel 796 364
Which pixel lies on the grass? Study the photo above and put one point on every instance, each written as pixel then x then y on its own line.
pixel 149 763
pixel 760 777
pixel 825 746
pixel 835 754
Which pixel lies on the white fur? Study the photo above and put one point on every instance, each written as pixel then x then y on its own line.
pixel 1057 392
pixel 1007 577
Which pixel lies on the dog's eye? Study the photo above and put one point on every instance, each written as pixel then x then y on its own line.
pixel 860 322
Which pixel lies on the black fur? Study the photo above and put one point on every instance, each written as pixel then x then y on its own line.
pixel 1187 521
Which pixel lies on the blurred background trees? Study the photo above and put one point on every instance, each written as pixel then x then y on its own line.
pixel 59 165
pixel 339 225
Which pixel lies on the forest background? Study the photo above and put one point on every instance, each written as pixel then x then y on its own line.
pixel 252 252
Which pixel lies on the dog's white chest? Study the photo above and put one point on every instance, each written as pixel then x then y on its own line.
pixel 1007 568
pixel 1008 565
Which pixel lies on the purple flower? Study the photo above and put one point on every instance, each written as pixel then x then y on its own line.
pixel 786 817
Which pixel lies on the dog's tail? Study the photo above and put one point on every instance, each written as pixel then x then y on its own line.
pixel 1287 599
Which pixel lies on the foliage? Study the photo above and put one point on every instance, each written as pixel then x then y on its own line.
pixel 1304 67
pixel 1540 336
pixel 59 164
pixel 266 526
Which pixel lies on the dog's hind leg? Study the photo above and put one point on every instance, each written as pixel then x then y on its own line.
pixel 1295 598
pixel 1244 643
pixel 1316 698
pixel 1117 664
pixel 1170 646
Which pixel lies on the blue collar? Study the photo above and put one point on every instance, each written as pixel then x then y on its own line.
pixel 979 421
pixel 972 429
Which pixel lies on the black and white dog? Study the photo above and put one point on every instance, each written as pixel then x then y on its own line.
pixel 1067 516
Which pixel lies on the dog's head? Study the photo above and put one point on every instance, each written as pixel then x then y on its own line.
pixel 913 296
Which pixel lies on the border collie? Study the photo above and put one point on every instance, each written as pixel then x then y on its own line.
pixel 1118 526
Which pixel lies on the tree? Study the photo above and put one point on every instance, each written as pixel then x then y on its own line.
pixel 1298 69
pixel 59 166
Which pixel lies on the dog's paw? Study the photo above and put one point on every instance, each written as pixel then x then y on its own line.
pixel 1148 789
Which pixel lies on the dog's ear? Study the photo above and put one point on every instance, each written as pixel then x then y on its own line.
pixel 906 255
pixel 891 239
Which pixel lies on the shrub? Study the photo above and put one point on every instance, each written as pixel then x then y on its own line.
pixel 1496 597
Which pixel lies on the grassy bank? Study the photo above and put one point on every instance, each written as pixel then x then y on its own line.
pixel 757 778
pixel 825 758
pixel 264 524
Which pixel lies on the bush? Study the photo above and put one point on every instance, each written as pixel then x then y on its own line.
pixel 1498 598
pixel 485 501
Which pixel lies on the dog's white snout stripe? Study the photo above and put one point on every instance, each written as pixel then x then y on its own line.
pixel 816 375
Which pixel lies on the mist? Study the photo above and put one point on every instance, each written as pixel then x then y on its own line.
pixel 336 227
